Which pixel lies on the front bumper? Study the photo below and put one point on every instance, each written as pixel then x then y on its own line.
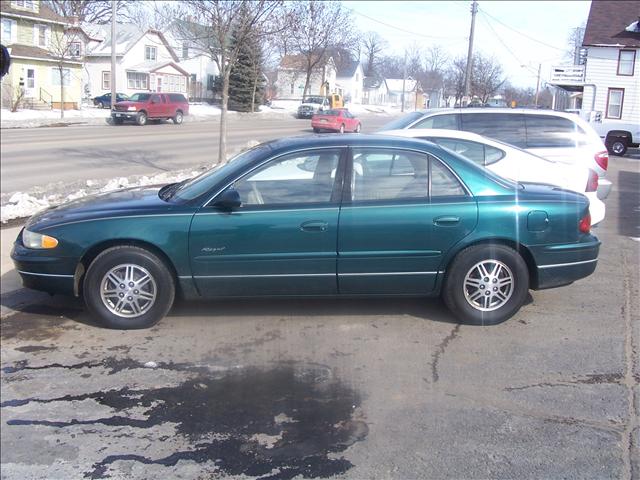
pixel 124 115
pixel 558 265
pixel 40 270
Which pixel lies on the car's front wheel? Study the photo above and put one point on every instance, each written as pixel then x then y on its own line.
pixel 486 284
pixel 141 119
pixel 358 128
pixel 178 117
pixel 128 287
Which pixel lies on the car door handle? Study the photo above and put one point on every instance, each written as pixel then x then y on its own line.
pixel 314 226
pixel 446 221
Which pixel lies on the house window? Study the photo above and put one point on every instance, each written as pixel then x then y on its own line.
pixel 8 31
pixel 150 53
pixel 31 78
pixel 75 49
pixel 26 4
pixel 626 61
pixel 615 99
pixel 41 35
pixel 55 76
pixel 106 80
pixel 137 80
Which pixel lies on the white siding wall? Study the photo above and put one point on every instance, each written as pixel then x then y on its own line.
pixel 601 70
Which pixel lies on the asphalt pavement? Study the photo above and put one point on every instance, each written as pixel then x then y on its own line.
pixel 352 389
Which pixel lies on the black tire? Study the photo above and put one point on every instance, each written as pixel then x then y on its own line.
pixel 342 128
pixel 316 130
pixel 141 119
pixel 100 105
pixel 177 119
pixel 455 294
pixel 617 146
pixel 118 121
pixel 162 287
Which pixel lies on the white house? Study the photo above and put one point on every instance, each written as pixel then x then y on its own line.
pixel 145 62
pixel 375 91
pixel 411 89
pixel 350 82
pixel 291 77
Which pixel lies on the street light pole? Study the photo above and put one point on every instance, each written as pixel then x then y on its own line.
pixel 113 54
pixel 404 80
pixel 538 84
pixel 468 70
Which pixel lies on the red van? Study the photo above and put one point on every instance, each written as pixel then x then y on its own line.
pixel 147 106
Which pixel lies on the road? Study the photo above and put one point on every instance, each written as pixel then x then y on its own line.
pixel 36 157
pixel 384 389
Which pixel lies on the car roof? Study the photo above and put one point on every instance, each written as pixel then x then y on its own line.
pixel 521 110
pixel 344 140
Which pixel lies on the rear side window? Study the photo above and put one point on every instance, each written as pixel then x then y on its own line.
pixel 177 98
pixel 443 182
pixel 549 131
pixel 446 122
pixel 506 127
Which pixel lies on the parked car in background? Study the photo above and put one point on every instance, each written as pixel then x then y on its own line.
pixel 142 107
pixel 336 120
pixel 313 104
pixel 104 101
pixel 618 135
pixel 515 163
pixel 358 215
pixel 558 136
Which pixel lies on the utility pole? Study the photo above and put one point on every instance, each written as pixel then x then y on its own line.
pixel 113 54
pixel 467 74
pixel 404 80
pixel 538 84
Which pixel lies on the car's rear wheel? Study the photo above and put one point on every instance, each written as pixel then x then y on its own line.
pixel 128 287
pixel 316 130
pixel 342 128
pixel 177 119
pixel 486 284
pixel 141 119
pixel 617 146
pixel 358 128
pixel 100 105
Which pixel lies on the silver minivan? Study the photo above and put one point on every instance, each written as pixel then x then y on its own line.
pixel 558 136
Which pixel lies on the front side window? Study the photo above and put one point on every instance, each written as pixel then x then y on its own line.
pixel 150 53
pixel 626 62
pixel 506 127
pixel 386 174
pixel 446 122
pixel 615 99
pixel 295 179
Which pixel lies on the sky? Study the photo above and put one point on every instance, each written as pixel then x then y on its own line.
pixel 515 33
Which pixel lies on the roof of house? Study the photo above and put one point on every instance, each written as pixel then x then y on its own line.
pixel 127 35
pixel 373 82
pixel 299 62
pixel 348 69
pixel 151 66
pixel 395 84
pixel 609 22
pixel 44 13
pixel 29 51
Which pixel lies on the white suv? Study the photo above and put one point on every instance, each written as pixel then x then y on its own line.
pixel 558 136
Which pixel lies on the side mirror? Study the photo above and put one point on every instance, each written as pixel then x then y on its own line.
pixel 228 200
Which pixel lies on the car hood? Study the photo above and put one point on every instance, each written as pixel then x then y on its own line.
pixel 127 202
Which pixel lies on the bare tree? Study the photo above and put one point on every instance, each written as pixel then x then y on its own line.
pixel 454 78
pixel 317 26
pixel 391 66
pixel 574 43
pixel 217 19
pixel 65 47
pixel 373 46
pixel 153 15
pixel 435 59
pixel 90 11
pixel 486 77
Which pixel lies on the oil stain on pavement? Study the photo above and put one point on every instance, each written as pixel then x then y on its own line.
pixel 275 423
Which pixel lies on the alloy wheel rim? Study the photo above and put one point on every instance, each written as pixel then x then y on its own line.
pixel 128 290
pixel 488 285
pixel 618 147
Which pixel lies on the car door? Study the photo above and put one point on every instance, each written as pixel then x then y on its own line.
pixel 394 230
pixel 282 240
pixel 154 107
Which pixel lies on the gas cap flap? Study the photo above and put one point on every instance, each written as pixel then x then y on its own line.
pixel 537 221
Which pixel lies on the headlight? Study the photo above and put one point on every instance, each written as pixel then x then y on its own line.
pixel 38 240
pixel 131 109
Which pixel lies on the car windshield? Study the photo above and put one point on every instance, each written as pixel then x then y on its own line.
pixel 313 100
pixel 402 122
pixel 140 97
pixel 197 186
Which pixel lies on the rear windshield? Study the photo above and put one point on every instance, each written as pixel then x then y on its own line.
pixel 333 113
pixel 313 100
pixel 402 122
pixel 140 97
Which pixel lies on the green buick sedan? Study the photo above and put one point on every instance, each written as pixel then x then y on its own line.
pixel 347 215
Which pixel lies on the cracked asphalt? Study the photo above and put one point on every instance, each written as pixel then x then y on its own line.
pixel 353 389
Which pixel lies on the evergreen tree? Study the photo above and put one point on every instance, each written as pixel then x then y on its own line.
pixel 246 84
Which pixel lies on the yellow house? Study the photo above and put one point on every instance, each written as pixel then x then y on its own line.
pixel 46 64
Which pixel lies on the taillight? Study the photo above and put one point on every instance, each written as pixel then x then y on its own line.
pixel 585 223
pixel 592 182
pixel 602 159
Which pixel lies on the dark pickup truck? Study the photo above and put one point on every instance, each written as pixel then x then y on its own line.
pixel 142 107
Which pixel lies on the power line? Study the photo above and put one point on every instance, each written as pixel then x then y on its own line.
pixel 506 47
pixel 520 33
pixel 401 29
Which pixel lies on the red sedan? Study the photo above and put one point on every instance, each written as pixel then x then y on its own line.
pixel 336 120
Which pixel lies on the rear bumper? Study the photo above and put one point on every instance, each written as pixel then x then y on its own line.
pixel 604 188
pixel 558 265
